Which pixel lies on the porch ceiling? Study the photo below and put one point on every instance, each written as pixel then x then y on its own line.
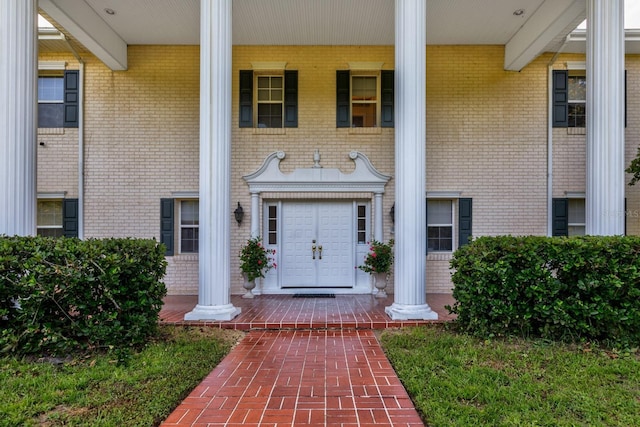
pixel 542 25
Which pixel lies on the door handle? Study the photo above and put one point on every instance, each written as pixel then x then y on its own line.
pixel 313 251
pixel 320 251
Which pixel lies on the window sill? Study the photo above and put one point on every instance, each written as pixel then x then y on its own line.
pixel 51 131
pixel 269 131
pixel 186 257
pixel 439 256
pixel 365 131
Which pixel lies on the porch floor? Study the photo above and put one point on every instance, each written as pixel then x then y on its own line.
pixel 286 312
pixel 303 362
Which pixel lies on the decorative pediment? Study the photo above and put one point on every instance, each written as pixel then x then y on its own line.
pixel 269 177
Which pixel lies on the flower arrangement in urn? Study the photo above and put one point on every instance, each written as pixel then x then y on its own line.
pixel 255 259
pixel 378 263
pixel 379 259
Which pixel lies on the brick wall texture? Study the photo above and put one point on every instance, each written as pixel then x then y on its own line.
pixel 486 139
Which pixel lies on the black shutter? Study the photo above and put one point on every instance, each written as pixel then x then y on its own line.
pixel 560 99
pixel 386 86
pixel 166 224
pixel 560 217
pixel 70 217
pixel 343 101
pixel 291 99
pixel 71 98
pixel 246 99
pixel 464 221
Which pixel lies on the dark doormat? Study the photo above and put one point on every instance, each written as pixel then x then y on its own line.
pixel 314 295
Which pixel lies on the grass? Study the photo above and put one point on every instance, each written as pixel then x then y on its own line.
pixel 94 391
pixel 458 380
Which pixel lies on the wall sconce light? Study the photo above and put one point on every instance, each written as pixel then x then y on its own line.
pixel 239 213
pixel 392 212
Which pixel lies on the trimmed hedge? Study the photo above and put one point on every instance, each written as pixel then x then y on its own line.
pixel 63 295
pixel 578 288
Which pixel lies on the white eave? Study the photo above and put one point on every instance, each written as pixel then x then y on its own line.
pixel 546 23
pixel 577 41
pixel 80 20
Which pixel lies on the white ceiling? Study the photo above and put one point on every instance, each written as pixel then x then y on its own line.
pixel 542 25
pixel 315 22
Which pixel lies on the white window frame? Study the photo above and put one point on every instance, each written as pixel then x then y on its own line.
pixel 360 74
pixel 55 226
pixel 257 101
pixel 367 222
pixel 577 74
pixel 189 226
pixel 267 220
pixel 453 204
pixel 575 224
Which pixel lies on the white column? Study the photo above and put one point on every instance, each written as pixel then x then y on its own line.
pixel 255 215
pixel 18 113
pixel 605 118
pixel 410 140
pixel 214 291
pixel 378 232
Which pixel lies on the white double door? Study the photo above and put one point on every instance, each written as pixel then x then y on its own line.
pixel 318 245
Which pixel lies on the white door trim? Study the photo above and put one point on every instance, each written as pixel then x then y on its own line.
pixel 310 181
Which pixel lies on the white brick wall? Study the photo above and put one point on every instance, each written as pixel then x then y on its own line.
pixel 486 138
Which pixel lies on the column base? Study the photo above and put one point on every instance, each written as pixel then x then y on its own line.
pixel 213 312
pixel 410 312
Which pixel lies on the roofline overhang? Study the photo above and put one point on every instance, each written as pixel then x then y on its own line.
pixel 80 20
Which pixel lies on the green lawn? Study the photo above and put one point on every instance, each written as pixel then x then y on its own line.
pixel 454 380
pixel 457 380
pixel 94 391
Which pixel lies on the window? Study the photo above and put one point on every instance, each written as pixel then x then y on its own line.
pixel 276 99
pixel 50 218
pixel 362 224
pixel 570 96
pixel 568 216
pixel 51 101
pixel 58 99
pixel 189 223
pixel 272 221
pixel 439 225
pixel 577 99
pixel 270 99
pixel 576 217
pixel 364 99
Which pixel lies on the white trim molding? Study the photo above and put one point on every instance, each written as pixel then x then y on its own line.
pixel 269 177
pixel 51 65
pixel 185 194
pixel 268 66
pixel 365 66
pixel 444 194
pixel 52 195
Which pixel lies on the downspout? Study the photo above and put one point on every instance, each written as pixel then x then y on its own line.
pixel 81 151
pixel 80 138
pixel 550 138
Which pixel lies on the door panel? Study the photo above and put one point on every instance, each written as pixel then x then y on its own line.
pixel 330 224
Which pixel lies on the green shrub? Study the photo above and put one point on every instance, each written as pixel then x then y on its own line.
pixel 61 295
pixel 579 288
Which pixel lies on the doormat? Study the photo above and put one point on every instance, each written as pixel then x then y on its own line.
pixel 314 295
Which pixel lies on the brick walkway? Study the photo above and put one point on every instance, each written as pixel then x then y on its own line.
pixel 305 362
